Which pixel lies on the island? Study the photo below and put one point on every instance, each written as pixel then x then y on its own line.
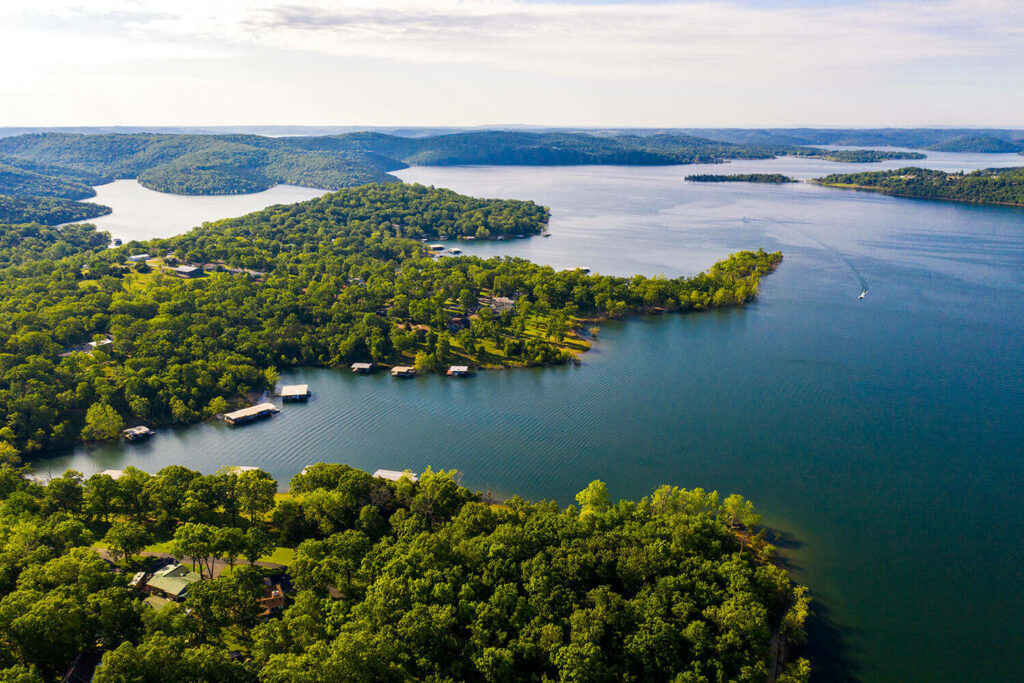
pixel 859 156
pixel 194 324
pixel 773 178
pixel 397 576
pixel 988 186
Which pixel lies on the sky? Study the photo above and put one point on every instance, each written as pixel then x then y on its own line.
pixel 742 63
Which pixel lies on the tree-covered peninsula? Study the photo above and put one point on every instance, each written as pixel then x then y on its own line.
pixel 988 186
pixel 47 210
pixel 771 178
pixel 355 578
pixel 330 281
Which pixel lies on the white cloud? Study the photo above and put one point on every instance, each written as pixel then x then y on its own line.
pixel 667 45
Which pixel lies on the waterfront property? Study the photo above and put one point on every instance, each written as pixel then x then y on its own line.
pixel 458 371
pixel 362 368
pixel 403 371
pixel 256 412
pixel 395 475
pixel 137 433
pixel 171 582
pixel 295 392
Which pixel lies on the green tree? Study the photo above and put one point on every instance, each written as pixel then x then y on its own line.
pixel 102 422
pixel 127 539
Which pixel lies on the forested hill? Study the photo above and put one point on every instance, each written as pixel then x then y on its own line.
pixel 992 186
pixel 330 281
pixel 387 582
pixel 47 210
pixel 229 164
pixel 983 144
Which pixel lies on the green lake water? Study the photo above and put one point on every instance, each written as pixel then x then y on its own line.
pixel 882 438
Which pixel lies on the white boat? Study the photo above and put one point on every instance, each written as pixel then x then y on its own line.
pixel 863 294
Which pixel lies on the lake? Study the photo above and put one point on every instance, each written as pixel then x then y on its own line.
pixel 881 437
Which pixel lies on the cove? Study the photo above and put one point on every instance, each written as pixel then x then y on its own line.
pixel 879 436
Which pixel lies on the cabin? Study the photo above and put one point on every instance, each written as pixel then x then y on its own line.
pixel 188 271
pixel 273 599
pixel 137 433
pixel 403 371
pixel 139 257
pixel 256 412
pixel 458 371
pixel 295 392
pixel 395 475
pixel 171 582
pixel 362 368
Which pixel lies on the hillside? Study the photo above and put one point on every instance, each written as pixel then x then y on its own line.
pixel 982 144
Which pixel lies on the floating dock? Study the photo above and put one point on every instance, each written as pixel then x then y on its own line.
pixel 403 371
pixel 459 371
pixel 252 413
pixel 295 392
pixel 137 433
pixel 362 368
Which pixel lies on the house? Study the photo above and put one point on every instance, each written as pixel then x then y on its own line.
pixel 274 597
pixel 362 368
pixel 93 345
pixel 458 371
pixel 139 257
pixel 256 412
pixel 295 392
pixel 188 271
pixel 171 582
pixel 137 433
pixel 395 475
pixel 403 371
pixel 83 668
pixel 458 323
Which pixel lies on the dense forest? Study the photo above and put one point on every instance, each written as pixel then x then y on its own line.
pixel 330 281
pixel 741 178
pixel 386 581
pixel 235 163
pixel 917 138
pixel 32 242
pixel 47 210
pixel 993 185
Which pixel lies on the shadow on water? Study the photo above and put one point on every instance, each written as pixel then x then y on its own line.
pixel 829 651
pixel 785 543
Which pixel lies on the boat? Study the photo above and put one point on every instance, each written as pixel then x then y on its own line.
pixel 863 294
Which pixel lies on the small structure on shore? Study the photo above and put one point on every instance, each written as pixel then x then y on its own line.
pixel 403 371
pixel 436 247
pixel 459 371
pixel 256 412
pixel 188 271
pixel 395 475
pixel 362 368
pixel 137 433
pixel 295 392
pixel 138 257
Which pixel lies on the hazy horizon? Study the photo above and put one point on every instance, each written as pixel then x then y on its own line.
pixel 742 64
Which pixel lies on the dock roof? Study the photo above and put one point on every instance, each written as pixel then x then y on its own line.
pixel 459 368
pixel 362 366
pixel 395 475
pixel 290 390
pixel 252 411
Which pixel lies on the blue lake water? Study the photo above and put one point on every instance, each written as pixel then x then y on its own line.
pixel 882 437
